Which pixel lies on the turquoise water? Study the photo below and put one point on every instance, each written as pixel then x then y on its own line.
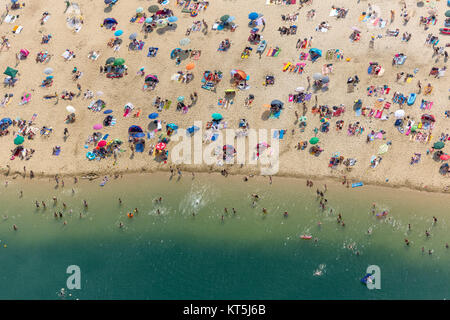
pixel 248 255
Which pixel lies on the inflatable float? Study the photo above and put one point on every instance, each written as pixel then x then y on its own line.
pixel 357 184
pixel 90 155
pixel 305 237
pixel 411 99
pixel 445 30
pixel 382 214
pixel 367 278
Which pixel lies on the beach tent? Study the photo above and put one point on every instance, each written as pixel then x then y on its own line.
pixel 11 72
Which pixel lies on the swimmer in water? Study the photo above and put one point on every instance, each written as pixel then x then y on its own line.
pixel 285 214
pixel 55 214
pixel 15 227
pixel 5 217
pixel 254 195
pixel 225 210
pixel 264 210
pixel 234 210
pixel 157 211
pixel 407 242
pixel 222 217
pixel 65 222
pixel 85 204
pixel 21 194
pixel 43 204
pixel 319 224
pixel 37 204
pixel 136 210
pixel 64 205
pixel 60 214
pixel 253 204
pixel 54 200
pixel 120 225
pixel 120 201
pixel 369 231
pixel 73 191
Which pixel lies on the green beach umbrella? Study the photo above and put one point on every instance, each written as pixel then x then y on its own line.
pixel 19 140
pixel 153 8
pixel 447 13
pixel 314 140
pixel 10 72
pixel 439 145
pixel 217 116
pixel 119 61
pixel 414 128
pixel 224 18
pixel 139 10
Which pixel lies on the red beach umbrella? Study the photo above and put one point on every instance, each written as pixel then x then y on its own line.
pixel 160 146
pixel 102 143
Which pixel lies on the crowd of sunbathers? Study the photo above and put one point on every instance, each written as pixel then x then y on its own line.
pixel 288 31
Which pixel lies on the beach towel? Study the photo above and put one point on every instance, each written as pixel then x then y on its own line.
pixel 139 147
pixel 127 111
pixel 141 20
pixel 17 29
pixel 141 45
pixel 358 112
pixel 387 105
pixel 291 98
pixel 197 55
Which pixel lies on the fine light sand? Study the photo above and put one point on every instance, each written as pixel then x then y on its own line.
pixel 117 92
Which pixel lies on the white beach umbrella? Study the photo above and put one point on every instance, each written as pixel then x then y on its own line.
pixel 99 93
pixel 300 89
pixel 399 114
pixel 48 71
pixel 185 41
pixel 70 109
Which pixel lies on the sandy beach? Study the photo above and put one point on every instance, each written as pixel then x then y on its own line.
pixel 394 169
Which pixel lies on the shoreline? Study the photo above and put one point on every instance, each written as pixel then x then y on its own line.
pixel 97 174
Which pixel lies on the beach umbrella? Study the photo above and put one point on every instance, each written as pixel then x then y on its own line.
pixel 447 13
pixel 172 126
pixel 139 10
pixel 192 129
pixel 383 149
pixel 14 1
pixel 184 41
pixel 224 18
pixel 98 126
pixel 445 157
pixel 10 72
pixel 154 8
pixel 48 71
pixel 253 16
pixel 139 135
pixel 70 109
pixel 119 61
pixel 276 103
pixel 300 89
pixel 153 115
pixel 172 19
pixel 107 111
pixel 101 144
pixel 399 114
pixel 133 36
pixel 160 146
pixel 230 19
pixel 109 21
pixel 439 145
pixel 110 60
pixel 118 33
pixel 190 66
pixel 325 79
pixel 134 129
pixel 314 140
pixel 356 29
pixel 19 140
pixel 317 76
pixel 149 20
pixel 217 116
pixel 240 74
pixel 180 98
pixel 161 22
pixel 99 93
pixel 315 50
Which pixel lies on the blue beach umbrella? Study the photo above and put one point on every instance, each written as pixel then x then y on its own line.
pixel 133 36
pixel 139 135
pixel 172 19
pixel 107 111
pixel 153 115
pixel 253 16
pixel 180 98
pixel 118 33
pixel 149 20
pixel 230 19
